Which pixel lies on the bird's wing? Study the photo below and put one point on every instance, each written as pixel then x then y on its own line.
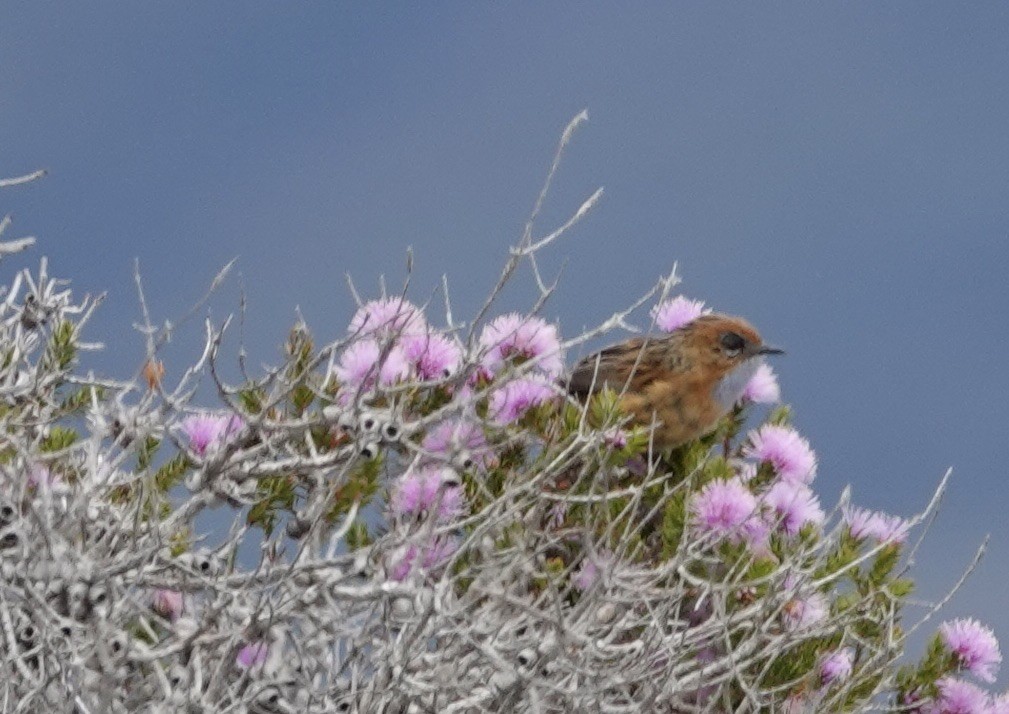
pixel 612 366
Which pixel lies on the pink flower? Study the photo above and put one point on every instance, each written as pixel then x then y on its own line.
pixel 388 317
pixel 891 529
pixel 432 556
pixel 457 437
pixel 959 697
pixel 586 575
pixel 1000 704
pixel 860 522
pixel 674 314
pixel 39 475
pixel 726 509
pixel 359 365
pixel 804 612
pixel 432 356
pixel 794 504
pixel 252 655
pixel 206 431
pixel 589 570
pixel 556 515
pixel 836 666
pixel 615 437
pixel 763 386
pixel 789 454
pixel 974 645
pixel 395 368
pixel 510 402
pixel 513 336
pixel 417 491
pixel 167 603
pixel 863 523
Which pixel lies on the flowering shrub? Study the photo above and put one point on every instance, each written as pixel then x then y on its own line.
pixel 440 528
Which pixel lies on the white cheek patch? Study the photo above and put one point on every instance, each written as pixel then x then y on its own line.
pixel 730 389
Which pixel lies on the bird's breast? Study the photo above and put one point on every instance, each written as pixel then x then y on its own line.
pixel 729 389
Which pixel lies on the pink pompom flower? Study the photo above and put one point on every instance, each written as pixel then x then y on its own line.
pixel 40 476
pixel 836 666
pixel 782 447
pixel 763 386
pixel 674 314
pixel 727 509
pixel 359 365
pixel 206 431
pixel 167 603
pixel 516 337
pixel 615 437
pixel 358 362
pixel 253 655
pixel 510 402
pixel 432 356
pixel 459 438
pixel 419 490
pixel 589 570
pixel 959 697
pixel 556 515
pixel 388 317
pixel 806 611
pixel 884 528
pixel 1000 704
pixel 421 558
pixel 974 645
pixel 793 505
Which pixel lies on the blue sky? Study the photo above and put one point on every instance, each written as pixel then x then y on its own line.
pixel 837 173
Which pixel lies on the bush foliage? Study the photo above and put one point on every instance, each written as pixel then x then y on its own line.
pixel 439 527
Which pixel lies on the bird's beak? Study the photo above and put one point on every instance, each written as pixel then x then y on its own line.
pixel 768 350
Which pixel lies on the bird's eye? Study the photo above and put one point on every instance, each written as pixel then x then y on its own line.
pixel 732 343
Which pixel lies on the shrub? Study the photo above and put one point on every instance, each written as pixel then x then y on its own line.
pixel 440 529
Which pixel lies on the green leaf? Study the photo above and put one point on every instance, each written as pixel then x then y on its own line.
pixel 840 558
pixel 301 398
pixel 252 400
pixel 146 451
pixel 761 568
pixel 59 438
pixel 780 416
pixel 81 399
pixel 717 468
pixel 604 408
pixel 357 535
pixel 62 347
pixel 901 587
pixel 276 492
pixel 171 472
pixel 674 518
pixel 361 486
pixel 299 350
pixel 884 564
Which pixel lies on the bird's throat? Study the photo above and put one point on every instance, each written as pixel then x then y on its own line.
pixel 729 389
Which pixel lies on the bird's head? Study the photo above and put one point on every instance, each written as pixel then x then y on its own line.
pixel 728 349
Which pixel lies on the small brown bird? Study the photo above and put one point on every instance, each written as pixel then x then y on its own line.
pixel 684 382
